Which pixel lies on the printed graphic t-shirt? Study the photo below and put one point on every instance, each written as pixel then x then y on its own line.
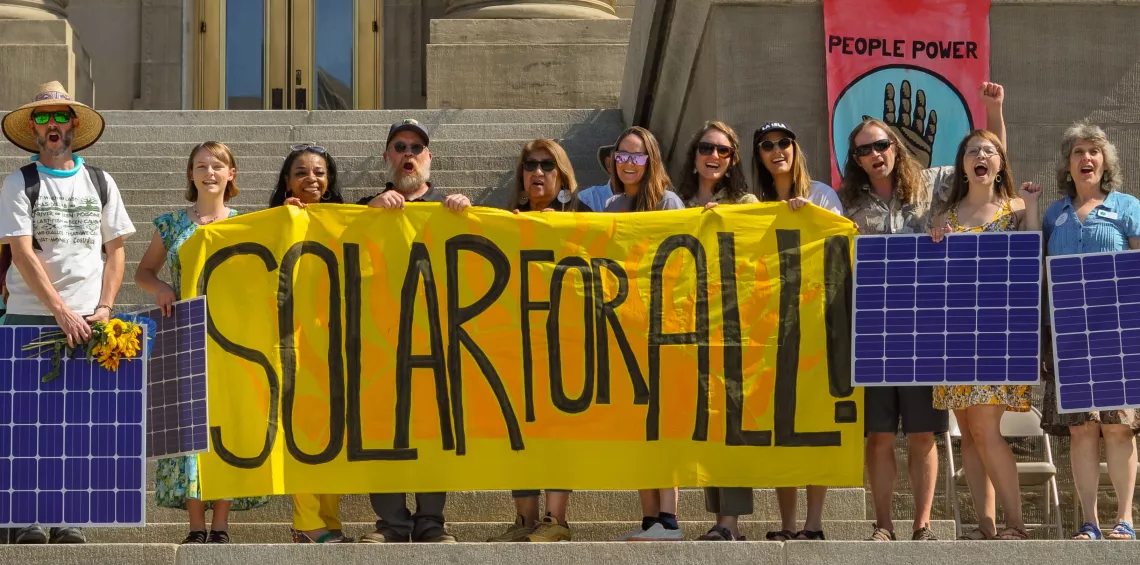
pixel 70 228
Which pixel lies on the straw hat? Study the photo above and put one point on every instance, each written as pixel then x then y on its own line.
pixel 16 129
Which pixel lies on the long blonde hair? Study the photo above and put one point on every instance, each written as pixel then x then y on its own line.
pixel 766 183
pixel 561 165
pixel 654 182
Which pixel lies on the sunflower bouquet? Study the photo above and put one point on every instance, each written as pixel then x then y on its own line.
pixel 111 341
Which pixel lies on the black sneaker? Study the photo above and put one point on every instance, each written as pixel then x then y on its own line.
pixel 435 534
pixel 195 536
pixel 30 535
pixel 67 535
pixel 218 536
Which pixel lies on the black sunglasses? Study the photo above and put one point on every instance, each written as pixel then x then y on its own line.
pixel 866 149
pixel 530 165
pixel 769 145
pixel 706 148
pixel 61 117
pixel 309 147
pixel 402 147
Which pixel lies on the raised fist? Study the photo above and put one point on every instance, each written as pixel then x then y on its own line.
pixel 916 131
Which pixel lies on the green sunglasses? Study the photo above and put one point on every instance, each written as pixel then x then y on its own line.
pixel 61 117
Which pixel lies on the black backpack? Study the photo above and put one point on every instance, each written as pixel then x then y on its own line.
pixel 32 190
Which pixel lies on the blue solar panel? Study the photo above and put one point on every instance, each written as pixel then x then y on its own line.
pixel 1095 306
pixel 177 422
pixel 963 311
pixel 71 450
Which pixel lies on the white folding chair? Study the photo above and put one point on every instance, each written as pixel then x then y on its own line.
pixel 1030 473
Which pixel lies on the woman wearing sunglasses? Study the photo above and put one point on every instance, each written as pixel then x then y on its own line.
pixel 713 176
pixel 782 175
pixel 713 173
pixel 982 198
pixel 781 171
pixel 644 186
pixel 640 174
pixel 545 179
pixel 308 176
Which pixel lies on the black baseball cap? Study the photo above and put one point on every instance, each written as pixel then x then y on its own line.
pixel 407 125
pixel 770 127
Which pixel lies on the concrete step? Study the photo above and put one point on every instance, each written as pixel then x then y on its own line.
pixel 575 553
pixel 472 183
pixel 504 147
pixel 175 182
pixel 481 531
pixel 317 134
pixel 378 117
pixel 495 506
pixel 177 164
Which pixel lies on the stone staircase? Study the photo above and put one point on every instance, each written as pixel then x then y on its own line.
pixel 474 152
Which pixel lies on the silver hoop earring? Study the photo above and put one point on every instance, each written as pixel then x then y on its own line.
pixel 997 179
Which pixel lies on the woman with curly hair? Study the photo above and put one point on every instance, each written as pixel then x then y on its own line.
pixel 1092 216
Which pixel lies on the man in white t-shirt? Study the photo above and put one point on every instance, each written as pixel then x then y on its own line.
pixel 57 218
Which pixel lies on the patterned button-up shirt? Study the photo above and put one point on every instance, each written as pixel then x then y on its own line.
pixel 876 216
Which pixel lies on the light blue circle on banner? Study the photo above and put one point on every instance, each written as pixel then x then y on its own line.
pixel 866 96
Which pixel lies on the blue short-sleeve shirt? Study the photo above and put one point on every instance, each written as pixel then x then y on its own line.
pixel 1107 227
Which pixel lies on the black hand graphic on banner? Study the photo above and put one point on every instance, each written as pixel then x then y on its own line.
pixel 912 126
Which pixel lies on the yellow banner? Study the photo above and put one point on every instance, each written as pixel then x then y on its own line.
pixel 360 350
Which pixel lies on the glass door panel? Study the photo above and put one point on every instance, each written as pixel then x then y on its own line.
pixel 245 55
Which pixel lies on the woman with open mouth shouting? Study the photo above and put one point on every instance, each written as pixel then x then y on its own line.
pixel 545 179
pixel 545 182
pixel 982 198
pixel 715 175
pixel 639 171
pixel 1091 216
pixel 780 168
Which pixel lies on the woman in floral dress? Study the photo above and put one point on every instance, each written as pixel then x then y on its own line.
pixel 982 198
pixel 210 175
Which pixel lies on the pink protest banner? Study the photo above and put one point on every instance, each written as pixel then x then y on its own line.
pixel 915 64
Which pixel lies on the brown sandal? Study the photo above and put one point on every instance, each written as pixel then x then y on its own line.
pixel 1013 534
pixel 783 535
pixel 976 534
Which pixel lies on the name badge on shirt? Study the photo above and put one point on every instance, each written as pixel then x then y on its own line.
pixel 1106 214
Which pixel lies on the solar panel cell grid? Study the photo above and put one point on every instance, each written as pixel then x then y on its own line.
pixel 177 420
pixel 71 450
pixel 1095 307
pixel 961 311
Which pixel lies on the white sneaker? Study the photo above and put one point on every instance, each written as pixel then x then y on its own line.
pixel 636 532
pixel 657 532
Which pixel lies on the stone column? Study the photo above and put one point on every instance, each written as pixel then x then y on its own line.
pixel 33 9
pixel 531 9
pixel 37 45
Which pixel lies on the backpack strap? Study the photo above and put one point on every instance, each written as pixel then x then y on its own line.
pixel 99 179
pixel 32 190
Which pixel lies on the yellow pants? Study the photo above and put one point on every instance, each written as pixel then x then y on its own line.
pixel 316 511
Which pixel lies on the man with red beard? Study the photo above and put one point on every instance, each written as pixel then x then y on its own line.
pixel 409 171
pixel 56 215
pixel 885 190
